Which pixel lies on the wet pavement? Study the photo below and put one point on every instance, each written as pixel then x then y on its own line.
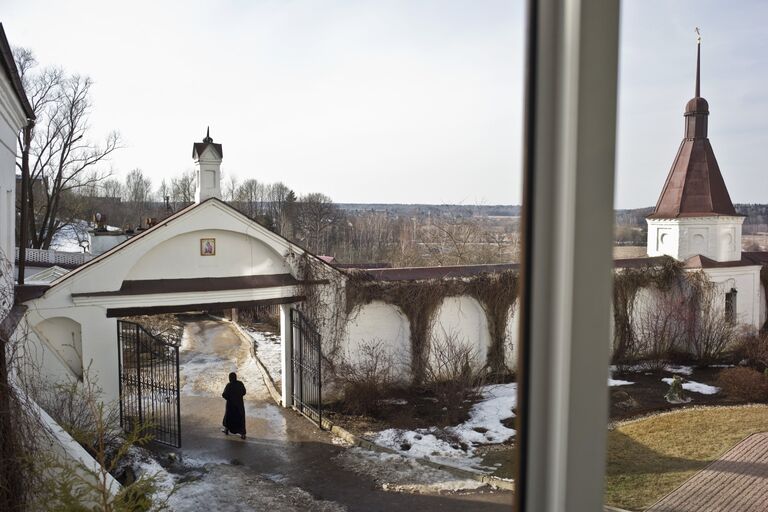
pixel 282 446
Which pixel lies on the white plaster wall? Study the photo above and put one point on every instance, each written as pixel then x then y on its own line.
pixel 511 337
pixel 384 323
pixel 98 342
pixel 64 335
pixel 101 243
pixel 763 306
pixel 43 362
pixel 237 254
pixel 12 118
pixel 750 305
pixel 208 172
pixel 746 281
pixel 463 319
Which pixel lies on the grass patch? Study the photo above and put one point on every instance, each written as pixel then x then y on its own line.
pixel 649 458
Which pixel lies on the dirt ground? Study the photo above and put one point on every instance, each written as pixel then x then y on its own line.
pixel 402 410
pixel 646 395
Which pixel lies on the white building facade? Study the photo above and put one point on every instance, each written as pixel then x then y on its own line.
pixel 15 113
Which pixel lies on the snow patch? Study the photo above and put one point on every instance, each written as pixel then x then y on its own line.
pixel 618 382
pixel 268 347
pixel 397 473
pixel 455 446
pixel 681 370
pixel 696 387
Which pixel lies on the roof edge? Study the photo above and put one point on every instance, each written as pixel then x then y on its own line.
pixel 9 63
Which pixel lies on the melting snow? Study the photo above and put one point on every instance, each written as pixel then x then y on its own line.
pixel 682 370
pixel 696 387
pixel 618 382
pixel 456 445
pixel 269 349
pixel 398 473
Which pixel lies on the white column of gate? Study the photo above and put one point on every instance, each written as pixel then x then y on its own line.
pixel 286 340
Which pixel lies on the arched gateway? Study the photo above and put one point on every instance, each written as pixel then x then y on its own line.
pixel 208 256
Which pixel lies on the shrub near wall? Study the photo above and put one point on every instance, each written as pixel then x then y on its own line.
pixel 420 300
pixel 682 315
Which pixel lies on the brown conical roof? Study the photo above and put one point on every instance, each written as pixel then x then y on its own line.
pixel 694 186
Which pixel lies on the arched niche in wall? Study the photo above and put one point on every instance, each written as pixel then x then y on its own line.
pixel 64 336
pixel 698 244
pixel 378 326
pixel 461 320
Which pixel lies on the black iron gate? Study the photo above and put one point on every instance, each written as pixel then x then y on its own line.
pixel 149 383
pixel 306 361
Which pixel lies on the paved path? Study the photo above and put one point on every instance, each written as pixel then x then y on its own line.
pixel 281 445
pixel 737 481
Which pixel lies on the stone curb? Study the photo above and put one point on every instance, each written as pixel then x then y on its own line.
pixel 354 440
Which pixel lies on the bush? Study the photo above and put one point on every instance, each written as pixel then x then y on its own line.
pixel 755 350
pixel 365 381
pixel 744 384
pixel 452 372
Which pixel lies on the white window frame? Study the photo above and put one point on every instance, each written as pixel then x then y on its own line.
pixel 570 127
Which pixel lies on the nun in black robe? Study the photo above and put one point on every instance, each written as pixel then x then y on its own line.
pixel 234 415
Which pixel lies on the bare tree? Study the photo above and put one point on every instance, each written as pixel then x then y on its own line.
pixel 250 196
pixel 230 188
pixel 710 331
pixel 58 150
pixel 316 217
pixel 278 196
pixel 183 189
pixel 111 188
pixel 137 191
pixel 662 327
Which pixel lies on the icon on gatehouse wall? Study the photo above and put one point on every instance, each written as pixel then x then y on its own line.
pixel 207 247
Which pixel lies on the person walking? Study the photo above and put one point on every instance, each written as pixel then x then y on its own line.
pixel 234 414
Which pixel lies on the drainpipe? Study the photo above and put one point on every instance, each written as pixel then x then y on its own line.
pixel 24 199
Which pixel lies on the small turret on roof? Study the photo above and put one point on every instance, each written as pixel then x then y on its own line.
pixel 694 186
pixel 199 147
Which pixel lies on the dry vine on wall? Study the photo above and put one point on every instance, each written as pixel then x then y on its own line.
pixel 626 285
pixel 700 329
pixel 420 300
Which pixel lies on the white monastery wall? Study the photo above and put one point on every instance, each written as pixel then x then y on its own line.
pixel 511 336
pixel 746 281
pixel 461 320
pixel 379 323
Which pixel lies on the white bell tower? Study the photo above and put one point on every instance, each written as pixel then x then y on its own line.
pixel 207 157
pixel 695 215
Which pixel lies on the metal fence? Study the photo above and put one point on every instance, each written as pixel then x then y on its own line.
pixel 149 384
pixel 306 362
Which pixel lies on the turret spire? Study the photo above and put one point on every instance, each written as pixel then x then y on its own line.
pixel 698 63
pixel 208 138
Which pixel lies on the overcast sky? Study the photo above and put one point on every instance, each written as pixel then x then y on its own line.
pixel 391 101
